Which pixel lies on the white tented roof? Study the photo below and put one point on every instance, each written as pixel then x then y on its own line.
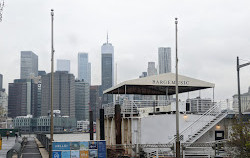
pixel 159 85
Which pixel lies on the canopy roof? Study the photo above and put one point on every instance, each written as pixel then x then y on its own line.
pixel 163 84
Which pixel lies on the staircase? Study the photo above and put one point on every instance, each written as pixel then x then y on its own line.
pixel 204 123
pixel 207 127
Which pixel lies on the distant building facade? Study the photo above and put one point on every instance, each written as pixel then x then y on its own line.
pixel 151 69
pixel 63 65
pixel 164 59
pixel 198 105
pixel 22 99
pixel 42 124
pixel 107 52
pixel 63 93
pixel 29 65
pixel 245 102
pixel 82 100
pixel 84 67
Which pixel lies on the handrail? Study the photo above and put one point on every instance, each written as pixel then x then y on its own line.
pixel 134 105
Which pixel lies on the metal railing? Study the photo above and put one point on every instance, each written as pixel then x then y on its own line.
pixel 44 140
pixel 134 106
pixel 203 121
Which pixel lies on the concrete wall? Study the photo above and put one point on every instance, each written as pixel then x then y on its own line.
pixel 156 129
pixel 162 128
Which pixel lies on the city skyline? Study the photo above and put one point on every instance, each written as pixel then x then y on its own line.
pixel 207 42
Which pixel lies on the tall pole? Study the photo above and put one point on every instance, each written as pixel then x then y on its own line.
pixel 238 79
pixel 177 100
pixel 51 84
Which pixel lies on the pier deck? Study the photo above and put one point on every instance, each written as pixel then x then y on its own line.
pixel 31 149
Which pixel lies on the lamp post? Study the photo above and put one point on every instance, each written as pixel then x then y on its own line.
pixel 51 86
pixel 176 92
pixel 238 79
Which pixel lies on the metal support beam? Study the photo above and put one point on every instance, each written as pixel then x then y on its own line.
pixel 91 127
pixel 118 122
pixel 102 131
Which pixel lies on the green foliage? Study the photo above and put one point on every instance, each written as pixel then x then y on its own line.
pixel 239 141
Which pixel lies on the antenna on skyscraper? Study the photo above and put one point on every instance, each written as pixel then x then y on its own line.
pixel 107 37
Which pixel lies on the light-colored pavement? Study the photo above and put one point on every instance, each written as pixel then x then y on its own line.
pixel 6 145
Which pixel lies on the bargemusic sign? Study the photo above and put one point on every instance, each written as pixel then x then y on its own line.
pixel 170 82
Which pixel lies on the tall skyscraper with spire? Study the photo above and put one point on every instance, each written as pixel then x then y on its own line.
pixel 107 52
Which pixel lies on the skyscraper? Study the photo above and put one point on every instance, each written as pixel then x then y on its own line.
pixel 29 64
pixel 63 93
pixel 151 69
pixel 63 65
pixel 164 59
pixel 22 98
pixel 82 100
pixel 107 68
pixel 84 67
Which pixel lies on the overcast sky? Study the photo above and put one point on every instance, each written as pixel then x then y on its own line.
pixel 212 33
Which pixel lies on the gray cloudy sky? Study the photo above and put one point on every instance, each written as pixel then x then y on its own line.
pixel 211 34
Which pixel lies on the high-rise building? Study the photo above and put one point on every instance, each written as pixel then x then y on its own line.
pixel 84 67
pixel 107 69
pixel 63 93
pixel 82 100
pixel 29 65
pixel 22 98
pixel 63 65
pixel 1 82
pixel 151 69
pixel 95 100
pixel 164 59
